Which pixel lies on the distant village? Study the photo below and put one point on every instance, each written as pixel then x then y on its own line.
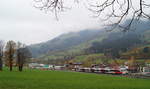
pixel 126 69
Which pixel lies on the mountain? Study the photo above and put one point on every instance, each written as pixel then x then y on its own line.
pixel 74 43
pixel 65 41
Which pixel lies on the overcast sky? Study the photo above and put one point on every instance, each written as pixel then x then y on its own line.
pixel 20 21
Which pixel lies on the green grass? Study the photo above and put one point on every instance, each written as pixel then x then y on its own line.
pixel 34 79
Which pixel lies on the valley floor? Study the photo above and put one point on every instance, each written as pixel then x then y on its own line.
pixel 36 79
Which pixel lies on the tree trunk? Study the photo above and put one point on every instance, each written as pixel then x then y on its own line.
pixel 1 64
pixel 10 65
pixel 20 67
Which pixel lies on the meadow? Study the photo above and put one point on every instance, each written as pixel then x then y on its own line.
pixel 36 79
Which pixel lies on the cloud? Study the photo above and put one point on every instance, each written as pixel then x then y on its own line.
pixel 20 21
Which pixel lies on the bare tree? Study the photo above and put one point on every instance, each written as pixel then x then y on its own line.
pixel 22 54
pixel 55 6
pixel 116 11
pixel 10 53
pixel 120 10
pixel 1 54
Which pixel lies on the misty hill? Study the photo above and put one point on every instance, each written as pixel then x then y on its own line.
pixel 65 41
pixel 84 39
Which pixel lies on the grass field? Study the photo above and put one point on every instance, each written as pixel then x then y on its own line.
pixel 35 79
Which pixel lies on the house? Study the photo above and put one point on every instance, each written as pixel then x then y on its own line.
pixel 33 65
pixel 74 66
pixel 59 67
pixel 40 66
pixel 146 69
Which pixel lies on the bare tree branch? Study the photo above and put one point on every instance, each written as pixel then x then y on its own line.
pixel 117 11
pixel 22 54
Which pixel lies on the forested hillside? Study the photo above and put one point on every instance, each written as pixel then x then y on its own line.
pixel 66 41
pixel 112 44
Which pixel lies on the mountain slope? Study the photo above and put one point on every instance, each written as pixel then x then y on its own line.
pixel 78 41
pixel 66 41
